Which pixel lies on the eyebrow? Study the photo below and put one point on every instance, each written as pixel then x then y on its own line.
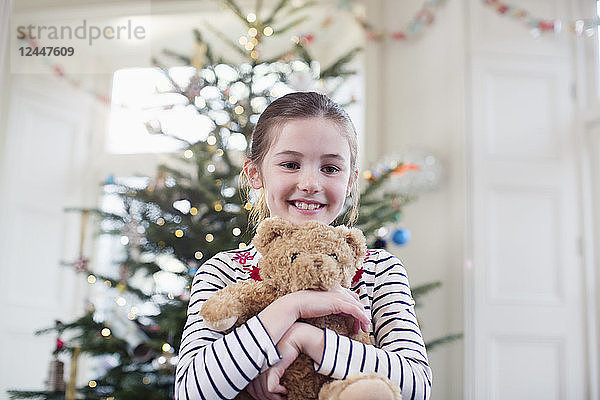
pixel 297 154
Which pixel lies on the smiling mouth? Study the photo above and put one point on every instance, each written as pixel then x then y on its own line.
pixel 302 205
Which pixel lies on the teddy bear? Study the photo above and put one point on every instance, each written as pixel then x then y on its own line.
pixel 313 256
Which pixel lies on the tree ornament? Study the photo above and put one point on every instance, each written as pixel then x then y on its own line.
pixel 56 380
pixel 123 328
pixel 401 236
pixel 380 243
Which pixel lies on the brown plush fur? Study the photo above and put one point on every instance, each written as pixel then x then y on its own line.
pixel 297 257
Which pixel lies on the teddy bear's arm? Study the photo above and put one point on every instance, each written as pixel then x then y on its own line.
pixel 235 304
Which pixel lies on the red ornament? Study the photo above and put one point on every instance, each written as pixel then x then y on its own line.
pixel 546 25
pixel 58 71
pixel 398 35
pixel 59 345
pixel 307 39
pixel 502 8
pixel 81 264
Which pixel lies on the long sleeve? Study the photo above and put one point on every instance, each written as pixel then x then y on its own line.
pixel 400 352
pixel 212 365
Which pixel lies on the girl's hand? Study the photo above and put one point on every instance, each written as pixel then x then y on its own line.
pixel 266 385
pixel 338 300
pixel 280 315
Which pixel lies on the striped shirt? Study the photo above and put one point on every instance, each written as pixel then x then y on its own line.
pixel 216 366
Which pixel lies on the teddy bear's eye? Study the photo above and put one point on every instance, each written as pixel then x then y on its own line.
pixel 334 256
pixel 294 256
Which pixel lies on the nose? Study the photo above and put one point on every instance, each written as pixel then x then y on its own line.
pixel 318 261
pixel 309 181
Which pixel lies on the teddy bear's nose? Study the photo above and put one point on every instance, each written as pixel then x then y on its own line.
pixel 318 261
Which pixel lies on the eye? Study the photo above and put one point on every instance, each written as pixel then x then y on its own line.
pixel 330 169
pixel 290 165
pixel 334 256
pixel 294 256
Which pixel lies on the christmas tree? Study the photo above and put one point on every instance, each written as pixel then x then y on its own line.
pixel 168 225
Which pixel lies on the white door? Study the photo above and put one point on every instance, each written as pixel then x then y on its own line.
pixel 526 309
pixel 42 169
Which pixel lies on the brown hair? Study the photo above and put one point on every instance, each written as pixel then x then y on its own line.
pixel 298 105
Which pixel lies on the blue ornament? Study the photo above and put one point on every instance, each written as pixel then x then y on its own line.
pixel 401 236
pixel 110 180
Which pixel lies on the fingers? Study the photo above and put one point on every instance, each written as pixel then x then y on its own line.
pixel 273 384
pixel 259 388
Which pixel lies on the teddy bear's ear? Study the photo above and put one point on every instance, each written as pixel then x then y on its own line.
pixel 267 231
pixel 355 238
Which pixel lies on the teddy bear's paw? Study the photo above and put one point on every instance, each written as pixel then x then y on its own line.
pixel 361 388
pixel 221 325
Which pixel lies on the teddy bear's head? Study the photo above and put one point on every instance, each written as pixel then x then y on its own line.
pixel 310 255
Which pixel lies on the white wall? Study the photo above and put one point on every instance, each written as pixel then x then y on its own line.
pixel 415 99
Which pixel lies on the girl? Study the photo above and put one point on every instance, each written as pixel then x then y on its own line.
pixel 303 160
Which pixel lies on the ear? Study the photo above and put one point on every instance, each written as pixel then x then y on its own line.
pixel 268 231
pixel 252 173
pixel 351 181
pixel 356 240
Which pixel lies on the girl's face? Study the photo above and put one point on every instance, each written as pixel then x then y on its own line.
pixel 306 173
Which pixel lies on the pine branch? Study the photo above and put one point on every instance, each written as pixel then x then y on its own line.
pixel 278 7
pixel 236 10
pixel 30 394
pixel 443 340
pixel 421 290
pixel 290 25
pixel 226 40
pixel 336 68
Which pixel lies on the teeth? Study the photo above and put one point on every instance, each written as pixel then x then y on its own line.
pixel 305 206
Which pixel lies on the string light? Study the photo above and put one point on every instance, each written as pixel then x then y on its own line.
pixel 242 245
pixel 179 233
pixel 268 31
pixel 198 255
pixel 219 152
pixel 166 347
pixel 211 140
pixel 243 40
pixel 124 240
pixel 91 279
pixel 252 32
pixel 239 110
pixel 121 301
pixel 254 54
pixel 193 211
pixel 108 283
pixel 146 380
pixel 105 332
pixel 218 207
pixel 249 46
pixel 236 231
pixel 188 154
pixel 232 100
pixel 251 17
pixel 210 168
pixel 160 221
pixel 92 384
pixel 209 237
pixel 248 206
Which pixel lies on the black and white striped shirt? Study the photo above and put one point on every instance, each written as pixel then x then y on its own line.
pixel 216 366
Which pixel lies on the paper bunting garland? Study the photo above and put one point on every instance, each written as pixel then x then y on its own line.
pixel 59 72
pixel 538 26
pixel 422 19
